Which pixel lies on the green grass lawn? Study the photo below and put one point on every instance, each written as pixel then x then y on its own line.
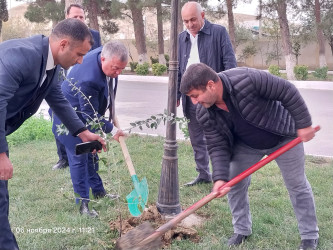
pixel 43 213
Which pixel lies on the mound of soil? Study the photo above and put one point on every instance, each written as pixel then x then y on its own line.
pixel 156 220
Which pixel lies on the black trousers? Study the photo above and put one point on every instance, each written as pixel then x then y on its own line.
pixel 7 238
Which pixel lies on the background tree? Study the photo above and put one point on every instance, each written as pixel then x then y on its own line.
pixel 259 17
pixel 220 11
pixel 290 58
pixel 160 36
pixel 272 29
pixel 320 35
pixel 300 36
pixel 136 8
pixel 245 37
pixel 313 12
pixel 327 24
pixel 279 7
pixel 3 14
pixel 43 11
pixel 231 23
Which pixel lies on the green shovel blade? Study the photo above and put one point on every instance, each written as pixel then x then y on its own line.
pixel 138 198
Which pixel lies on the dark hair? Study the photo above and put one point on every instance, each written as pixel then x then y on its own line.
pixel 73 28
pixel 196 77
pixel 73 5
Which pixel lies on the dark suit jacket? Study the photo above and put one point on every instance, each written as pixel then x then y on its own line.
pixel 22 67
pixel 91 80
pixel 97 39
pixel 215 50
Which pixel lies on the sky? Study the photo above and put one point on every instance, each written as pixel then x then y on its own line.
pixel 241 8
pixel 250 9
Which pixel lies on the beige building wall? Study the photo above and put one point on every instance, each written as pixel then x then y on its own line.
pixel 309 56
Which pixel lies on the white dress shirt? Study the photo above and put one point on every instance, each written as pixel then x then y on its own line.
pixel 49 65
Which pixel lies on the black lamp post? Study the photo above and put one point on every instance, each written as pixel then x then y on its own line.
pixel 168 195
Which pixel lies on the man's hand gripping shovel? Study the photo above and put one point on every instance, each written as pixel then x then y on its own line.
pixel 145 237
pixel 138 198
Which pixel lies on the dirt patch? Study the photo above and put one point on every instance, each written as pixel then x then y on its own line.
pixel 183 230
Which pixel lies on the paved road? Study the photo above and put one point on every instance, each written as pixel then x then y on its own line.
pixel 138 100
pixel 320 104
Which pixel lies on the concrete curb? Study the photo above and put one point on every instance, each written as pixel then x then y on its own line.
pixel 136 78
pixel 320 85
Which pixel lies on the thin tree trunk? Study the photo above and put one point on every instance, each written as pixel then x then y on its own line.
pixel 320 36
pixel 3 14
pixel 286 42
pixel 160 39
pixel 180 25
pixel 92 7
pixel 0 31
pixel 231 24
pixel 331 44
pixel 139 30
pixel 260 19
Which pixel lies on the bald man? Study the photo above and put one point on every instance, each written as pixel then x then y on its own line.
pixel 207 43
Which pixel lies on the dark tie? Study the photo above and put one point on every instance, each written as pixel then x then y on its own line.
pixel 111 96
pixel 49 76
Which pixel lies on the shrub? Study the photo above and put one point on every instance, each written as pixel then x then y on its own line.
pixel 167 59
pixel 153 60
pixel 35 128
pixel 274 70
pixel 158 69
pixel 142 69
pixel 133 66
pixel 301 72
pixel 321 73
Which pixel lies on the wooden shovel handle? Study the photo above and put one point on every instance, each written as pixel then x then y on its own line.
pixel 126 154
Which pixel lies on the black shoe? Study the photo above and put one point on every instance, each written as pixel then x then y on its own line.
pixel 236 239
pixel 308 244
pixel 104 194
pixel 84 209
pixel 60 164
pixel 197 181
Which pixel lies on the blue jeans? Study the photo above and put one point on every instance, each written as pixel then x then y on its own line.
pixel 291 166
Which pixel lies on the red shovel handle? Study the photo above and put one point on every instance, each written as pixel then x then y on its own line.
pixel 162 229
pixel 264 161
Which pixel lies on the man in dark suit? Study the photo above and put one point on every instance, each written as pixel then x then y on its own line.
pixel 29 71
pixel 97 79
pixel 74 11
pixel 209 43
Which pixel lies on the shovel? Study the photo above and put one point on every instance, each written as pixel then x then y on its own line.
pixel 151 239
pixel 138 198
